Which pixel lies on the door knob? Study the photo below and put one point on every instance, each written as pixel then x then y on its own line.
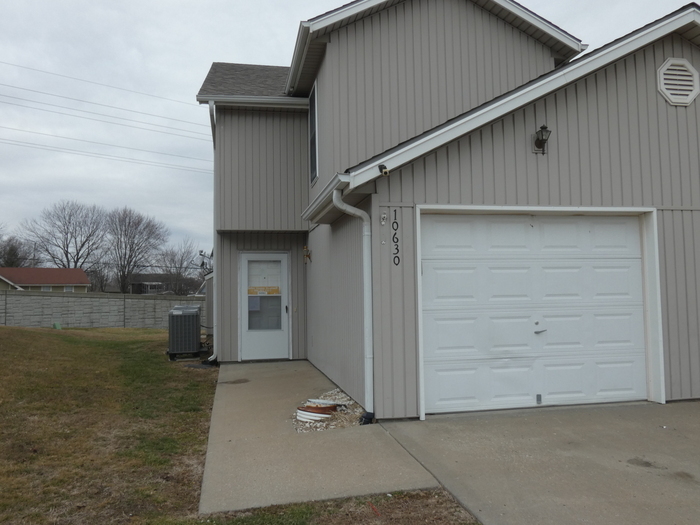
pixel 540 331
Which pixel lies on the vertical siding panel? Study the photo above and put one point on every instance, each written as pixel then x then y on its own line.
pixel 604 131
pixel 407 184
pixel 409 375
pixel 452 174
pixel 396 117
pixel 690 312
pixel 520 160
pixel 510 165
pixel 672 313
pixel 465 171
pixel 441 177
pixel 694 315
pixel 637 92
pixel 498 169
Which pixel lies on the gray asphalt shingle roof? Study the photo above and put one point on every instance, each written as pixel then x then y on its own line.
pixel 226 79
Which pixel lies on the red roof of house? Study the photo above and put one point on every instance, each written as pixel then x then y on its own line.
pixel 45 276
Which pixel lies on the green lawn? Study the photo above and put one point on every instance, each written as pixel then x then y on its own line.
pixel 98 427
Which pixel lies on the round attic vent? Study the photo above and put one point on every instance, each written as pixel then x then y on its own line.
pixel 678 82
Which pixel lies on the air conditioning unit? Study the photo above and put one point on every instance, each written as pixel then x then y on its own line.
pixel 184 331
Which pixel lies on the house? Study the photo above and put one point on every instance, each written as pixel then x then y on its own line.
pixel 44 279
pixel 385 208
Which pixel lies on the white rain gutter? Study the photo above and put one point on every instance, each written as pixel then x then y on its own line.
pixel 366 293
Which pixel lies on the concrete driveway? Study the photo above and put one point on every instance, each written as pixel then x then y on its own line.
pixel 608 464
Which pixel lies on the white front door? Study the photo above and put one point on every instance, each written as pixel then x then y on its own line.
pixel 264 306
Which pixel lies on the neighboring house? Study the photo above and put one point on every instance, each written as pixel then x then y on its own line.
pixel 44 279
pixel 383 209
pixel 162 283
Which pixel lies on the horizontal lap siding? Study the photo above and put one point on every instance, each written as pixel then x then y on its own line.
pixel 615 142
pixel 408 68
pixel 261 170
pixel 227 249
pixel 335 321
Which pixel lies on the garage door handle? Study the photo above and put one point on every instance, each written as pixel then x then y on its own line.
pixel 540 331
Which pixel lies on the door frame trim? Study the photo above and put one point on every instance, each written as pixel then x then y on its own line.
pixel 290 313
pixel 651 279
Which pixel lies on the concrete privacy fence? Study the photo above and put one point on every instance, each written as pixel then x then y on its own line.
pixel 90 310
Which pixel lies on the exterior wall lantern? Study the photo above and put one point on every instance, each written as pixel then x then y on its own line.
pixel 541 138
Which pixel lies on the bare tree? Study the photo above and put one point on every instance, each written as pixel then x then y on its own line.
pixel 14 252
pixel 178 266
pixel 134 241
pixel 68 234
pixel 99 276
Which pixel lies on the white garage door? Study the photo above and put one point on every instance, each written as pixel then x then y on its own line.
pixel 520 310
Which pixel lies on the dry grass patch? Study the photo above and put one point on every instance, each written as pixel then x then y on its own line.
pixel 99 427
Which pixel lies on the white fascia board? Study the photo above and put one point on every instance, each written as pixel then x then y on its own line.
pixel 300 49
pixel 572 73
pixel 542 25
pixel 342 13
pixel 18 287
pixel 325 197
pixel 255 102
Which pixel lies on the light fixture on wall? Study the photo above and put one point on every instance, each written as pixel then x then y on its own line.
pixel 307 254
pixel 541 138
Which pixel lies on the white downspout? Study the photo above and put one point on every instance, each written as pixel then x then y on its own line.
pixel 215 300
pixel 366 293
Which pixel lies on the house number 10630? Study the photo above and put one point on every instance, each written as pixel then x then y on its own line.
pixel 395 239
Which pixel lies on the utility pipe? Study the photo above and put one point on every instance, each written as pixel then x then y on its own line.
pixel 366 293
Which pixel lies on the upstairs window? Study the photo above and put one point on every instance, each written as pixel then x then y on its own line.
pixel 313 149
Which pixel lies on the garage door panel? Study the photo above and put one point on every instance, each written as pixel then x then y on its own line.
pixel 615 236
pixel 454 334
pixel 479 283
pixel 450 283
pixel 557 236
pixel 482 385
pixel 448 236
pixel 616 281
pixel 621 378
pixel 536 306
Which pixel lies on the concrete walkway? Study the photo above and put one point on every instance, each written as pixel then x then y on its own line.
pixel 626 464
pixel 255 458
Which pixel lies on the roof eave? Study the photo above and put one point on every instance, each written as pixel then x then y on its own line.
pixel 280 102
pixel 401 156
pixel 323 203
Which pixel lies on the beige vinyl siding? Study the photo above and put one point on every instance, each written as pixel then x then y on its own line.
pixel 409 68
pixel 335 321
pixel 396 350
pixel 227 249
pixel 261 170
pixel 615 142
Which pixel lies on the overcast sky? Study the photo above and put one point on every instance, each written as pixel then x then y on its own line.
pixel 63 120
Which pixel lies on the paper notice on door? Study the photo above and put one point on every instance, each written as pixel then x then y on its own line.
pixel 264 290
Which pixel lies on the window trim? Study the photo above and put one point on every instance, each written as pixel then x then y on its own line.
pixel 313 136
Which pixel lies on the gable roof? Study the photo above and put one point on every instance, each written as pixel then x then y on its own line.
pixel 311 38
pixel 685 22
pixel 45 276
